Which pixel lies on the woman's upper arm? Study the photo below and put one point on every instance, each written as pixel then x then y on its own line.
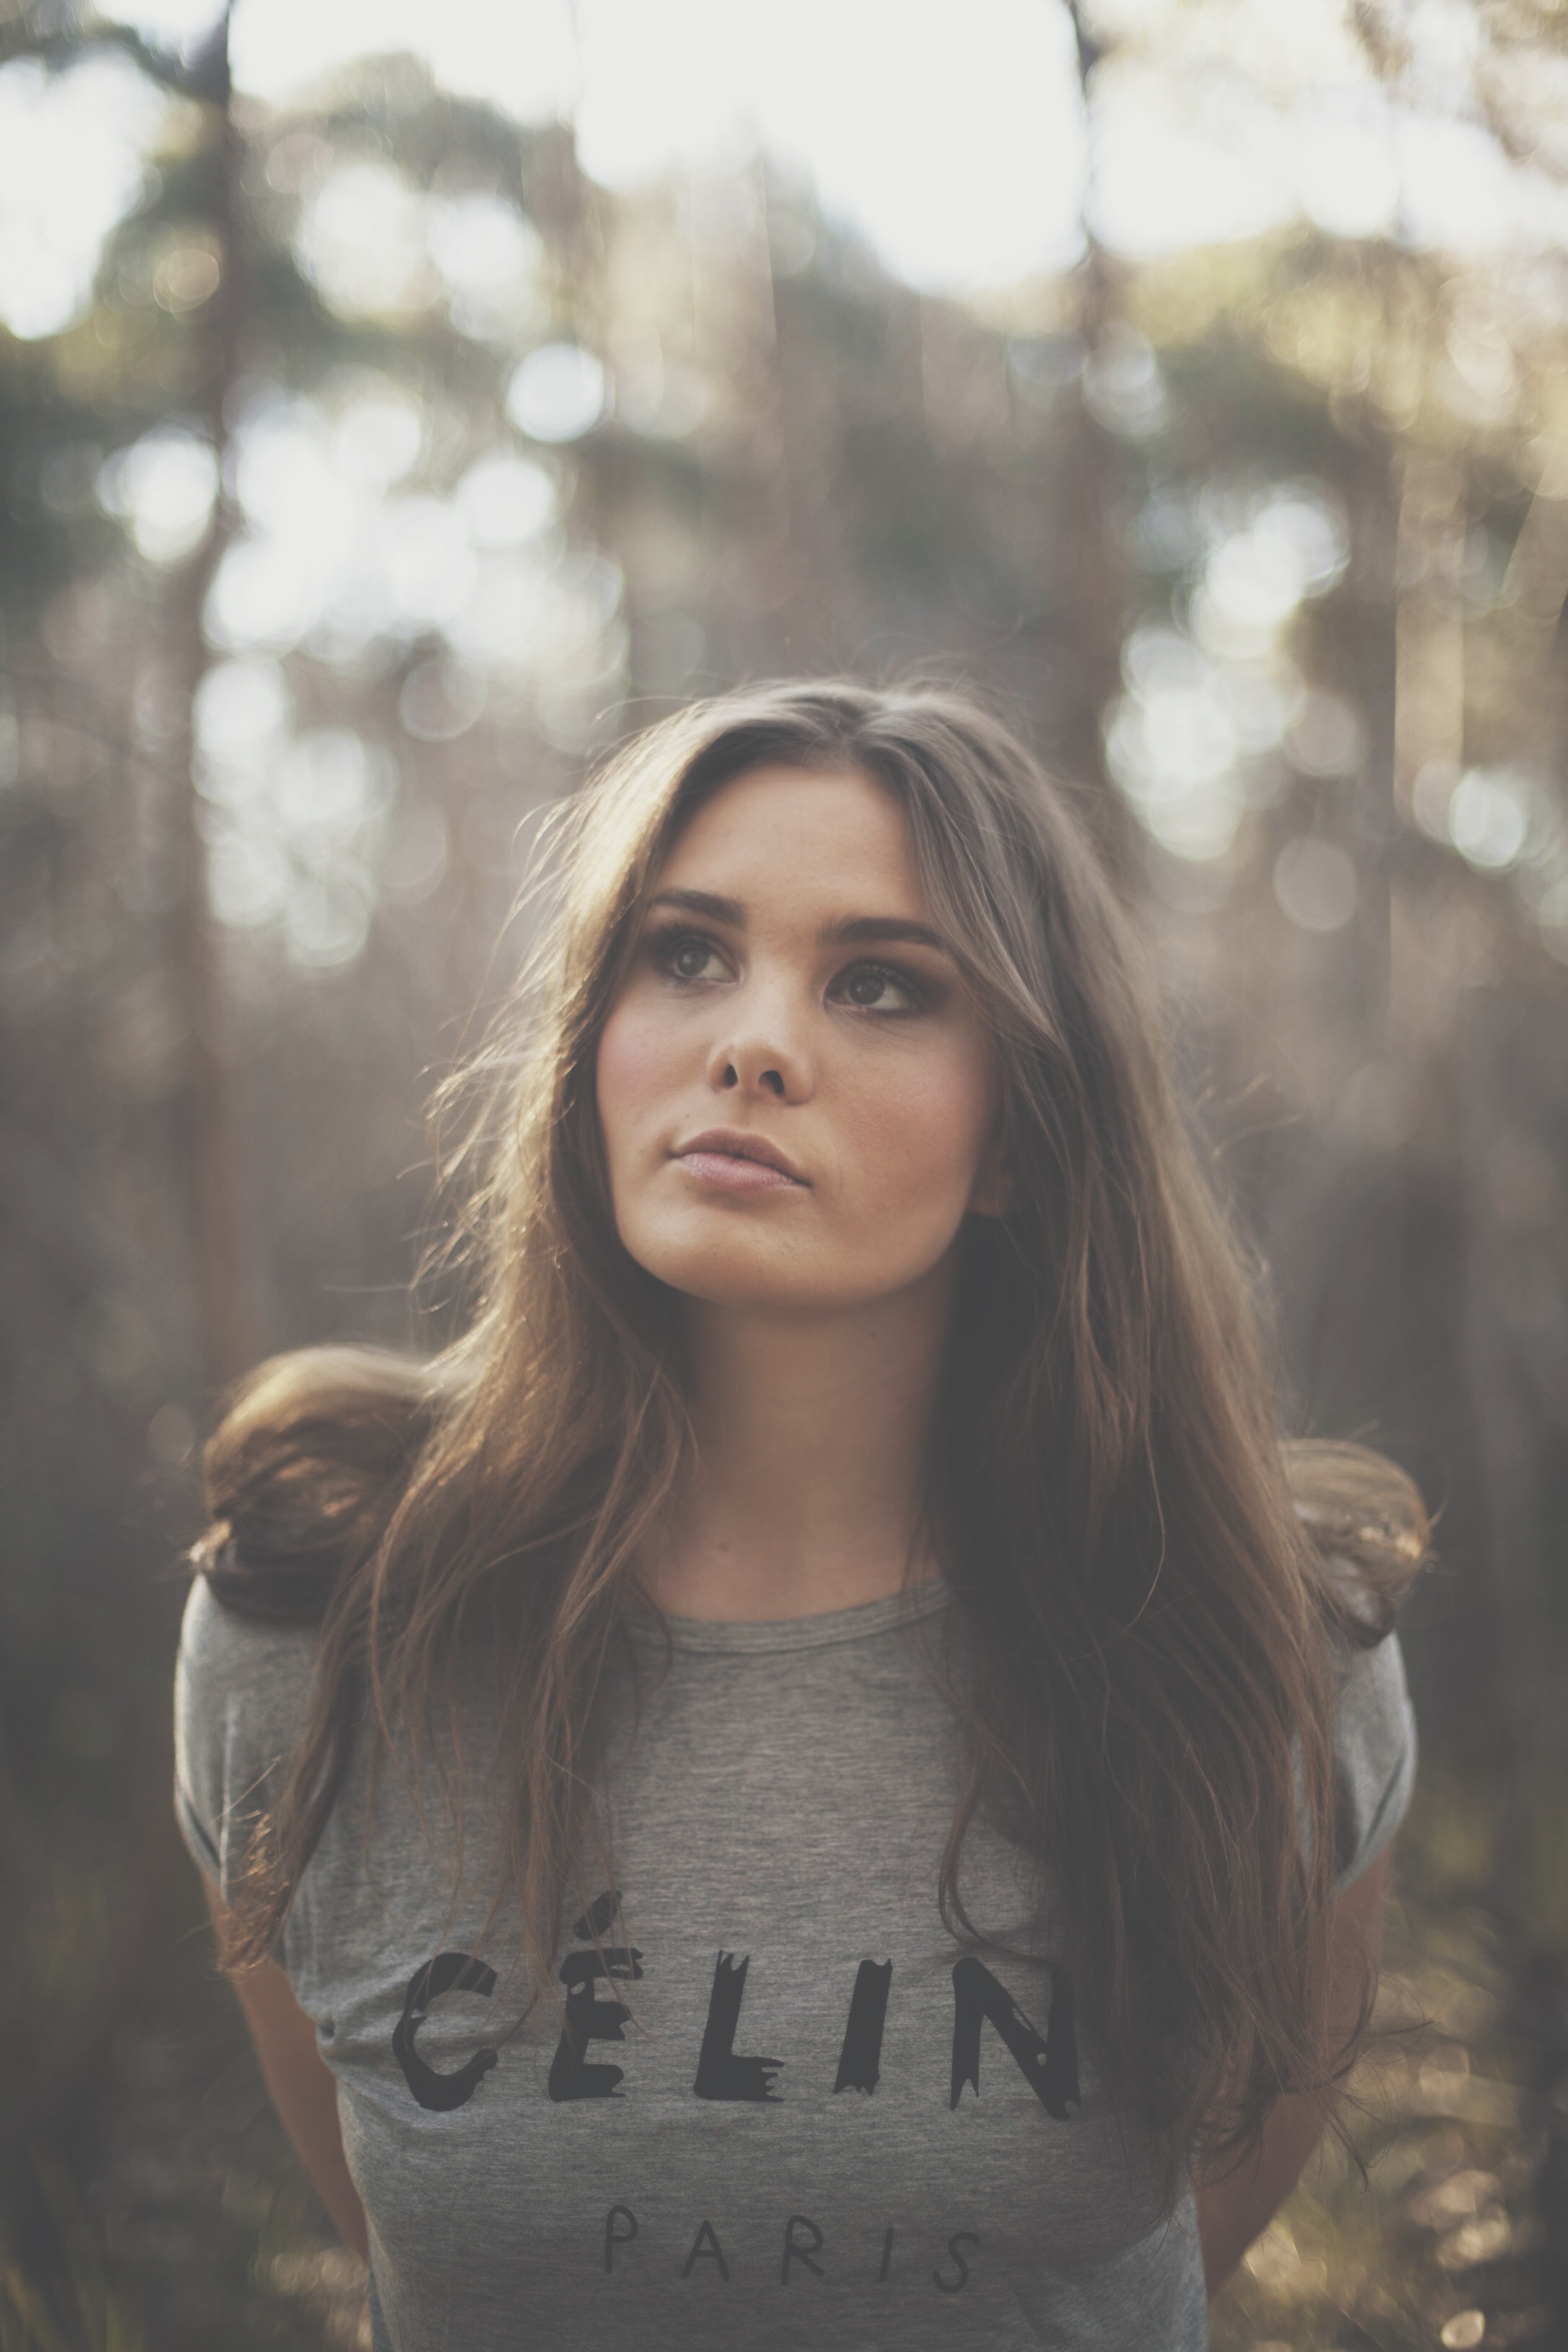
pixel 303 2088
pixel 281 2029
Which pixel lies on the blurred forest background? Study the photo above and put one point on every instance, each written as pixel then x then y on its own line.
pixel 398 405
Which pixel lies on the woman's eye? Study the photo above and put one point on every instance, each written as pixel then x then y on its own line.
pixel 688 959
pixel 872 988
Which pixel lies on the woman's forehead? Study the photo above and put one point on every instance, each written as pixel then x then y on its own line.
pixel 779 829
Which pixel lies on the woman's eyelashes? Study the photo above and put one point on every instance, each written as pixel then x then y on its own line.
pixel 881 988
pixel 686 957
pixel 692 960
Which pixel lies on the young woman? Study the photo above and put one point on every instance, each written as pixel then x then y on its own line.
pixel 808 1776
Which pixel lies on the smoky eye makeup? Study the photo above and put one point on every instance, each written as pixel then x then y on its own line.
pixel 873 985
pixel 865 984
pixel 681 954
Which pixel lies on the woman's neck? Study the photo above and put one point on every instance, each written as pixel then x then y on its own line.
pixel 813 1437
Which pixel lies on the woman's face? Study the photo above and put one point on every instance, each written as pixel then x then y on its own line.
pixel 797 1093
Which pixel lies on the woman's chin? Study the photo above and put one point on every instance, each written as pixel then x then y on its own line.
pixel 745 1282
pixel 748 1293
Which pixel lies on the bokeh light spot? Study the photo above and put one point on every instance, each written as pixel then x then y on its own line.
pixel 1489 818
pixel 243 715
pixel 505 500
pixel 559 392
pixel 161 488
pixel 1315 882
pixel 74 146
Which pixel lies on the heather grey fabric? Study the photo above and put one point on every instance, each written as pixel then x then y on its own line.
pixel 779 2106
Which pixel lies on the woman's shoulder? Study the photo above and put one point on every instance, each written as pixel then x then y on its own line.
pixel 1374 1749
pixel 242 1688
pixel 239 1655
pixel 304 1476
pixel 1370 1536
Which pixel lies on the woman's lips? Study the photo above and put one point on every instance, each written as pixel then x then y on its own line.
pixel 729 1174
pixel 738 1163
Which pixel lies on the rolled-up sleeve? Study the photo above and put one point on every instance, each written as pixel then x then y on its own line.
pixel 240 1696
pixel 1375 1757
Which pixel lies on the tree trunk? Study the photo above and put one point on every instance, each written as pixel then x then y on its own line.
pixel 226 1322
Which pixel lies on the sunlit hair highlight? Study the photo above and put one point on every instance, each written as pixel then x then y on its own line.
pixel 1152 1593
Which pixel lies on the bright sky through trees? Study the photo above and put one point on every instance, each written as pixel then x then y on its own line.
pixel 958 148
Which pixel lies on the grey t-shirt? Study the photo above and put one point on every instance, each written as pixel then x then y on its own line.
pixel 780 2104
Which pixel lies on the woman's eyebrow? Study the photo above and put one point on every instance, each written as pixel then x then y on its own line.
pixel 849 931
pixel 859 930
pixel 702 902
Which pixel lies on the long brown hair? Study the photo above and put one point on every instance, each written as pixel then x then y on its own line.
pixel 1147 1584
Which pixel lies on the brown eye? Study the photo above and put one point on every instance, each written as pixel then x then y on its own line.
pixel 874 988
pixel 687 957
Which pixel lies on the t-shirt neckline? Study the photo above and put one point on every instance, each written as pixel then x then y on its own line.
pixel 821 1630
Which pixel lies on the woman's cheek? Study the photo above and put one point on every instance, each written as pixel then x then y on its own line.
pixel 925 1140
pixel 634 1071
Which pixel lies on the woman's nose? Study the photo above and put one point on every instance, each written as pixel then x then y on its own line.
pixel 762 1059
pixel 765 1081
